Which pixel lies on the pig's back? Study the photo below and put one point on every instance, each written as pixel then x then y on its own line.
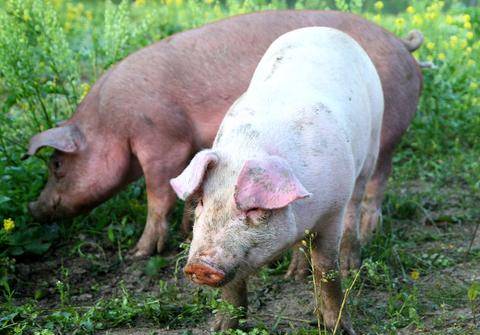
pixel 227 52
pixel 322 83
pixel 199 73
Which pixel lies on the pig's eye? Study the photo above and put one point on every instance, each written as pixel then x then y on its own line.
pixel 57 165
pixel 57 168
pixel 197 203
pixel 256 216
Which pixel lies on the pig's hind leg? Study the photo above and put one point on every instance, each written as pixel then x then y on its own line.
pixel 350 247
pixel 298 268
pixel 372 201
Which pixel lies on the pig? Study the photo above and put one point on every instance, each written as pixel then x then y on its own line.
pixel 149 114
pixel 293 153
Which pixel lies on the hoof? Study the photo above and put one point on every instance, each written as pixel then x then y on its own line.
pixel 137 254
pixel 223 322
pixel 331 319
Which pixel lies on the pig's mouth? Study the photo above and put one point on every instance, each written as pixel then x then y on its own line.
pixel 45 212
pixel 203 272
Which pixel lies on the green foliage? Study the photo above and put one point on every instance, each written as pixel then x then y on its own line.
pixel 39 70
pixel 154 265
pixel 474 291
pixel 122 310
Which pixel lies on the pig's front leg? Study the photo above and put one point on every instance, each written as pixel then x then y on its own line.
pixel 160 201
pixel 159 165
pixel 327 278
pixel 235 293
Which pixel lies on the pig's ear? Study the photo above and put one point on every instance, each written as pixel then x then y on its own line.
pixel 267 183
pixel 66 139
pixel 190 180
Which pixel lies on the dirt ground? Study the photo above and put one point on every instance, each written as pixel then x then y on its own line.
pixel 276 303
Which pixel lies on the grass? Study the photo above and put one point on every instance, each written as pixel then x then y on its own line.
pixel 419 275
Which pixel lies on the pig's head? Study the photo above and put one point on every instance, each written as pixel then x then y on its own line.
pixel 83 171
pixel 243 217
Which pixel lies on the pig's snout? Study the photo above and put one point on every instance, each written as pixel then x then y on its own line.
pixel 34 209
pixel 43 211
pixel 204 273
pixel 32 206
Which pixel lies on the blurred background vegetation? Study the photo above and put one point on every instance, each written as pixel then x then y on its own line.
pixel 52 51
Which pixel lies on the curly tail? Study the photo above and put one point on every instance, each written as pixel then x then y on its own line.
pixel 413 41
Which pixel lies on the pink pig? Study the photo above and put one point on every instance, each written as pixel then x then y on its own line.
pixel 149 114
pixel 293 153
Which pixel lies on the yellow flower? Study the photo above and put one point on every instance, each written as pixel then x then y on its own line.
pixel 468 50
pixel 466 18
pixel 453 41
pixel 85 90
pixel 400 22
pixel 171 2
pixel 470 63
pixel 8 225
pixel 377 18
pixel 436 6
pixel 473 86
pixel 26 16
pixel 378 5
pixel 410 10
pixel 71 12
pixel 417 20
pixel 449 19
pixel 415 275
pixel 467 25
pixel 469 35
pixel 56 3
pixel 430 16
pixel 430 45
pixel 67 26
pixel 139 3
pixel 442 56
pixel 463 44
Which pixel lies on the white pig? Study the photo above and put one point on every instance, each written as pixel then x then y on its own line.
pixel 294 152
